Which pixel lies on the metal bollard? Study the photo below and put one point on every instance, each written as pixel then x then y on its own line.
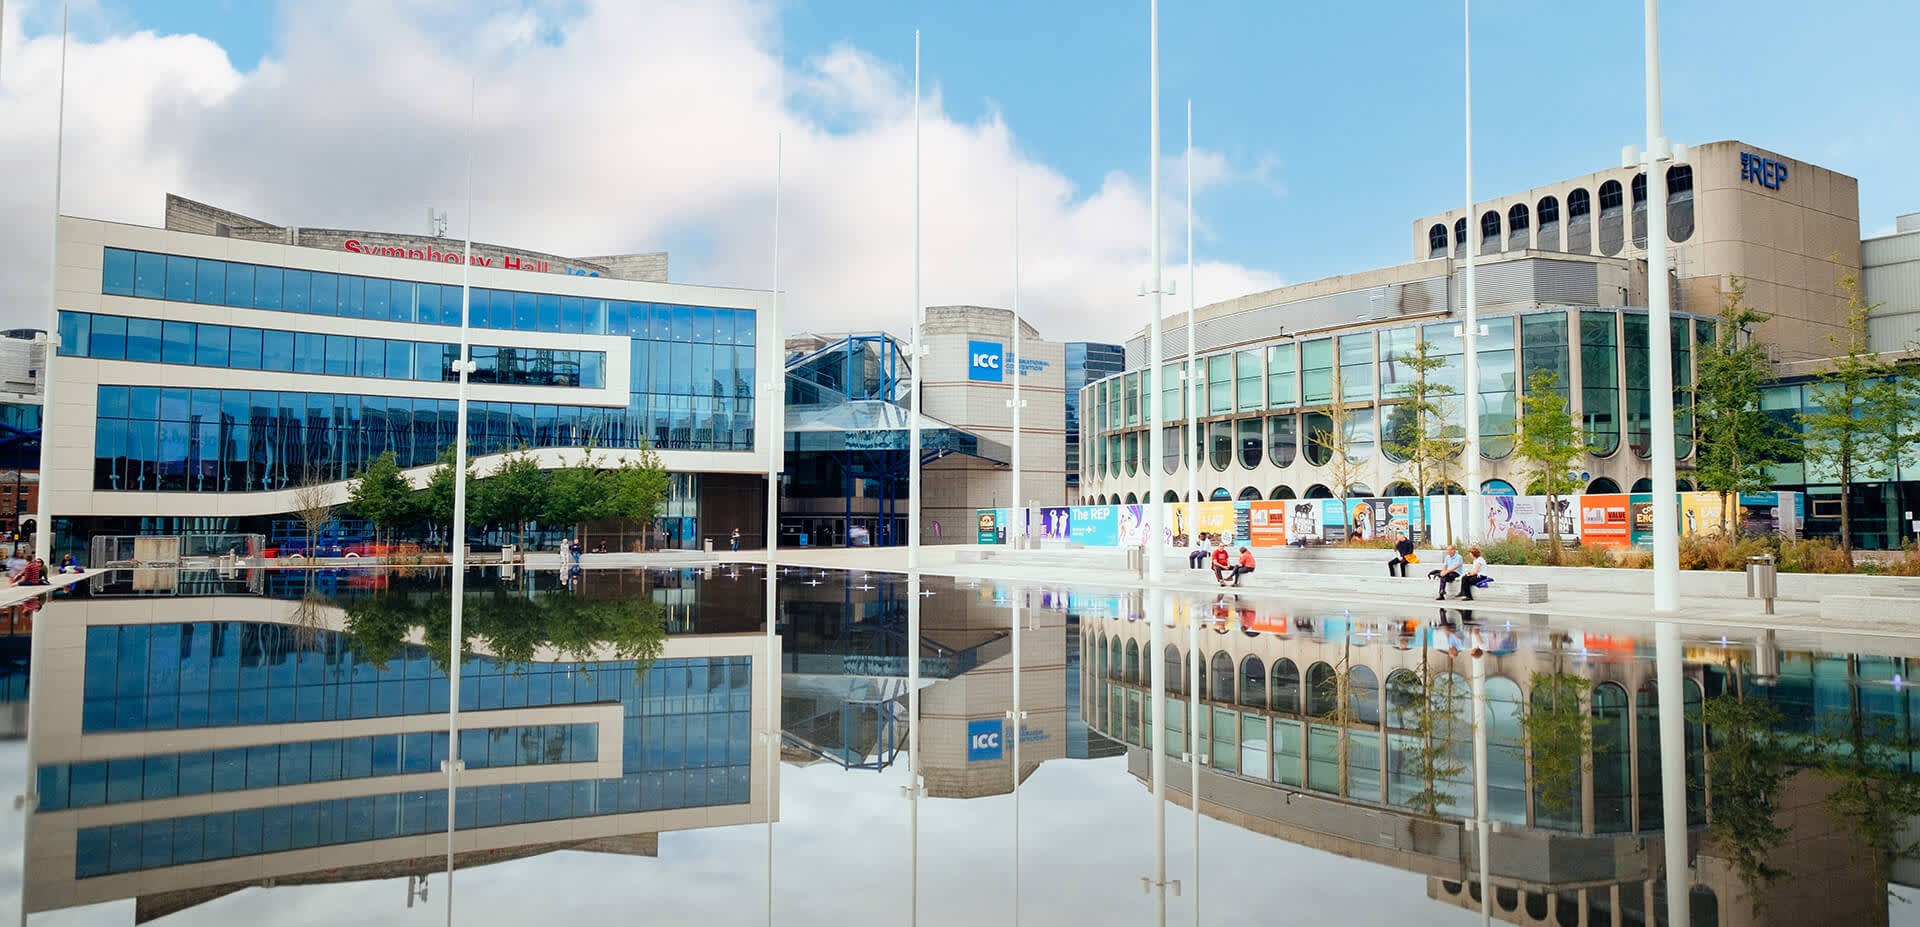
pixel 1763 579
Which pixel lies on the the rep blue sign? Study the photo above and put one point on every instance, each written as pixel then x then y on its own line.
pixel 983 361
pixel 1764 171
pixel 983 740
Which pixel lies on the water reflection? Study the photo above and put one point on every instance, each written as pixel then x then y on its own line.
pixel 192 747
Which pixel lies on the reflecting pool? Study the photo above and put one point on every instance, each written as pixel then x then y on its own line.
pixel 280 746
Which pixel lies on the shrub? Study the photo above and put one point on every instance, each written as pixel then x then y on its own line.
pixel 1587 556
pixel 1906 564
pixel 1817 555
pixel 1633 558
pixel 1512 551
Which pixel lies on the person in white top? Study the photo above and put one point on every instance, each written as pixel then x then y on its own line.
pixel 1476 571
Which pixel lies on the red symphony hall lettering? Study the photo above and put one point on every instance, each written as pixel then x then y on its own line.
pixel 430 253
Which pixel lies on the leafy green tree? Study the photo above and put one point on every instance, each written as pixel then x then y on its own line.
pixel 1737 439
pixel 379 494
pixel 436 501
pixel 1441 724
pixel 1550 442
pixel 1335 443
pixel 1876 793
pixel 1559 732
pixel 511 496
pixel 1417 430
pixel 1857 425
pixel 1747 764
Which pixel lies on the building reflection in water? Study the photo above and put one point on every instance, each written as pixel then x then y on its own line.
pixel 1352 733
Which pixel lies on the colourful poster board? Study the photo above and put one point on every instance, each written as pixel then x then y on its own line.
pixel 1180 524
pixel 1267 523
pixel 1702 513
pixel 1056 523
pixel 1215 518
pixel 989 531
pixel 1603 521
pixel 1132 526
pixel 1640 516
pixel 1095 525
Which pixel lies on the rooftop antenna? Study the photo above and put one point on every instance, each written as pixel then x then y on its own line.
pixel 436 223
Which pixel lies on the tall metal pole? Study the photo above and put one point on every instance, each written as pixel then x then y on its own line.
pixel 1019 501
pixel 456 615
pixel 1192 391
pixel 43 527
pixel 43 501
pixel 1666 525
pixel 913 418
pixel 1481 819
pixel 1471 331
pixel 914 786
pixel 1155 541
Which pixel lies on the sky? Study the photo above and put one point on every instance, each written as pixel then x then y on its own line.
pixel 599 126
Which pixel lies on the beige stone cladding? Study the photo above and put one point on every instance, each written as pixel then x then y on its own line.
pixel 955 486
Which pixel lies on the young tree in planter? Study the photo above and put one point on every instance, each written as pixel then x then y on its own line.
pixel 1858 410
pixel 313 504
pixel 436 501
pixel 1549 443
pixel 1416 431
pixel 379 494
pixel 1737 439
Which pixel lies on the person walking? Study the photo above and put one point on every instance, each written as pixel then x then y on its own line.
pixel 1402 555
pixel 1449 571
pixel 735 542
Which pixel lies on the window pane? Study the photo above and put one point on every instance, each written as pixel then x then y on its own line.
pixel 1283 387
pixel 116 273
pixel 240 285
pixel 244 350
pixel 143 340
pixel 177 343
pixel 150 276
pixel 180 278
pixel 268 288
pixel 210 345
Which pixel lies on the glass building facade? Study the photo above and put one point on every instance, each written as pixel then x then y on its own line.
pixel 1265 427
pixel 686 739
pixel 1087 362
pixel 691 375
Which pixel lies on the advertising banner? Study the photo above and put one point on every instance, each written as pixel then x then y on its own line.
pixel 1267 523
pixel 1528 518
pixel 1215 518
pixel 1603 521
pixel 1303 519
pixel 1056 524
pixel 1180 524
pixel 1701 513
pixel 989 530
pixel 1242 521
pixel 1132 531
pixel 1640 515
pixel 1095 525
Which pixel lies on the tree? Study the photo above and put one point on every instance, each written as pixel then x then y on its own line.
pixel 1747 764
pixel 1548 445
pixel 1737 439
pixel 1417 432
pixel 1876 793
pixel 313 504
pixel 379 494
pixel 512 495
pixel 436 501
pixel 1441 724
pixel 1858 409
pixel 1559 732
pixel 1335 442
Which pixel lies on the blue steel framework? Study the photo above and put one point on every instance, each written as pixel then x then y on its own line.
pixel 686 735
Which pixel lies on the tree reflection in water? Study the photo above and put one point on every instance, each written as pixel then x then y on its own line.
pixel 507 624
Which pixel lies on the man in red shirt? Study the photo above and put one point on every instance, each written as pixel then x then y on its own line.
pixel 1221 562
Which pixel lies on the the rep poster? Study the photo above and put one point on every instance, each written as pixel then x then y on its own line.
pixel 1267 522
pixel 1095 525
pixel 1132 530
pixel 1603 521
pixel 1056 523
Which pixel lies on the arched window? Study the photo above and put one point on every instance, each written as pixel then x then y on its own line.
pixel 1579 222
pixel 1360 491
pixel 1683 485
pixel 1603 485
pixel 1175 668
pixel 1252 442
pixel 1100 648
pixel 1280 492
pixel 1363 694
pixel 1113 650
pixel 1612 776
pixel 1283 439
pixel 1680 202
pixel 1220 443
pixel 1286 686
pixel 1320 690
pixel 1170 447
pixel 1404 694
pixel 1222 678
pixel 1642 484
pixel 1253 682
pixel 1519 225
pixel 1131 500
pixel 1220 494
pixel 1399 489
pixel 1546 220
pixel 1506 752
pixel 1489 232
pixel 1446 488
pixel 1437 241
pixel 1317 491
pixel 1171 496
pixel 1319 432
pixel 1133 662
pixel 1639 210
pixel 1249 492
pixel 1133 453
pixel 1613 209
pixel 1460 237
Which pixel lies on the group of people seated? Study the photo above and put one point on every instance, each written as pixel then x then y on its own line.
pixel 24 572
pixel 1452 567
pixel 1214 549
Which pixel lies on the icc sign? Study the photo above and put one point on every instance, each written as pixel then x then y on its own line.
pixel 983 740
pixel 983 361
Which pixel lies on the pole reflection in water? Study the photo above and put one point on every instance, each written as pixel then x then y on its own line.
pixel 1157 636
pixel 1668 668
pixel 770 735
pixel 1481 817
pixel 916 784
pixel 1016 719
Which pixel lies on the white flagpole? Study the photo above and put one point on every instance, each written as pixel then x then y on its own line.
pixel 1019 502
pixel 43 508
pixel 463 365
pixel 1471 331
pixel 913 399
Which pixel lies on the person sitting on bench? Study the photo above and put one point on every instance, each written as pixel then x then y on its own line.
pixel 1243 568
pixel 1402 555
pixel 1450 565
pixel 1198 558
pixel 1476 571
pixel 1221 563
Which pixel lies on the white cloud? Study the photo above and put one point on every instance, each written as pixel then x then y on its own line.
pixel 601 127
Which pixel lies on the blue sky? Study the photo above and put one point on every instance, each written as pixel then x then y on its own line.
pixel 1338 125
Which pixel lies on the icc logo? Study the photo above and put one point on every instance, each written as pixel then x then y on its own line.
pixel 989 361
pixel 983 360
pixel 989 741
pixel 983 740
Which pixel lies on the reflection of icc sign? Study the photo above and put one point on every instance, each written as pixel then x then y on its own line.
pixel 983 361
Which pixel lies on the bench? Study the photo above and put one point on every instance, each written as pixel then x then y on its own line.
pixel 1501 592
